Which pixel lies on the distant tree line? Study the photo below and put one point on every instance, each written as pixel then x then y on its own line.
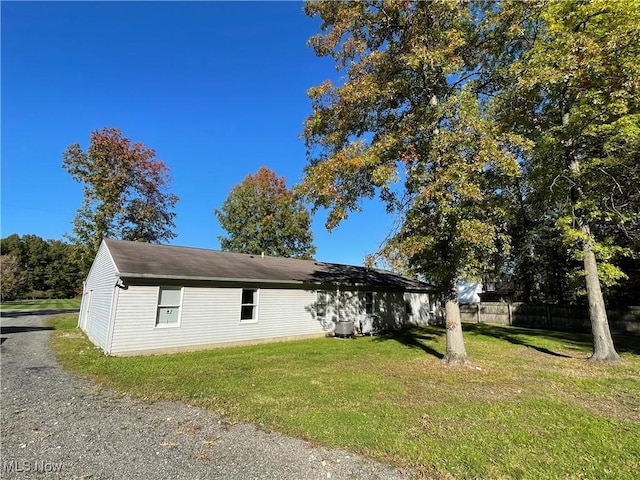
pixel 33 267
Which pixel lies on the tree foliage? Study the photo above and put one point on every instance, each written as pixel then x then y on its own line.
pixel 261 215
pixel 125 191
pixel 575 93
pixel 11 277
pixel 487 125
pixel 45 268
pixel 409 121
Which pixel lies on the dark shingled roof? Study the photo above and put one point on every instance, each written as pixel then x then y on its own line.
pixel 145 260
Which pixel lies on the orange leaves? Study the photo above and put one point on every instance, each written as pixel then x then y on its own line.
pixel 124 190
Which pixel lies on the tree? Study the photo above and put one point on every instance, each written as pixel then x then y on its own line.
pixel 11 277
pixel 47 267
pixel 409 122
pixel 35 259
pixel 575 93
pixel 63 272
pixel 125 193
pixel 261 215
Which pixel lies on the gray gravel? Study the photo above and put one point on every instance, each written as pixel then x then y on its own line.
pixel 57 426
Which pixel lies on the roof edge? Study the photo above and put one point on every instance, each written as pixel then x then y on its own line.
pixel 259 280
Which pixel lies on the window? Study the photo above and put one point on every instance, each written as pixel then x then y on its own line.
pixel 249 307
pixel 169 302
pixel 369 303
pixel 407 304
pixel 407 307
pixel 321 304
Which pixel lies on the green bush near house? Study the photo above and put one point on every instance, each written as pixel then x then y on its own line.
pixel 530 406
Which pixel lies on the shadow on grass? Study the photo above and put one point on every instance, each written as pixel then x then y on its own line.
pixel 582 342
pixel 414 338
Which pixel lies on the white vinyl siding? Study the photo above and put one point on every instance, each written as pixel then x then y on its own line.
pixel 420 310
pixel 97 302
pixel 210 316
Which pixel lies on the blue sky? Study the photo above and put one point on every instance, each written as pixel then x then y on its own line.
pixel 218 89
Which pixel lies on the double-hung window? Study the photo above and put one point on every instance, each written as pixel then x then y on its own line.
pixel 321 304
pixel 249 306
pixel 369 303
pixel 169 301
pixel 408 309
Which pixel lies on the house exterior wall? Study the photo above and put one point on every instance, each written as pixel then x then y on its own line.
pixel 422 308
pixel 389 309
pixel 97 299
pixel 209 316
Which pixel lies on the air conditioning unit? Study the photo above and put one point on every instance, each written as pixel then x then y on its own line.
pixel 343 330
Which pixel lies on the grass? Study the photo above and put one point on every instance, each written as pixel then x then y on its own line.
pixel 530 406
pixel 49 304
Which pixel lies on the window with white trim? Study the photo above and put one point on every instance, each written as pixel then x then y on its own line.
pixel 169 301
pixel 249 306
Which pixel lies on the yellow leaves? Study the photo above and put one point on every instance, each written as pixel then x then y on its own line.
pixel 320 90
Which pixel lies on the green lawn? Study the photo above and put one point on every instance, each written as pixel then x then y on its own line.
pixel 41 304
pixel 530 406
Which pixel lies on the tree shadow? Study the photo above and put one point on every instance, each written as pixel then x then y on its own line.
pixel 7 330
pixel 575 341
pixel 414 337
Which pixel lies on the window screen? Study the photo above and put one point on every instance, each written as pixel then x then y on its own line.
pixel 249 304
pixel 169 305
pixel 369 307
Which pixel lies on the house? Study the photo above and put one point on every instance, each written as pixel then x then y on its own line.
pixel 143 298
pixel 468 291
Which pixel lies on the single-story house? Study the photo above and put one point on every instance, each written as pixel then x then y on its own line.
pixel 143 298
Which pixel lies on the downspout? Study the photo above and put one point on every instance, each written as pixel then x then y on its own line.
pixel 82 304
pixel 112 316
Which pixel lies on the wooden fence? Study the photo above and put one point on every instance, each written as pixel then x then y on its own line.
pixel 551 317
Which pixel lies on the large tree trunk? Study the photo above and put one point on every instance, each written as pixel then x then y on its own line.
pixel 455 353
pixel 603 348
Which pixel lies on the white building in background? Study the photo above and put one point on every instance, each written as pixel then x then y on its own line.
pixel 468 292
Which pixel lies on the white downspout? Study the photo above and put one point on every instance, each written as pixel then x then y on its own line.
pixel 82 304
pixel 112 318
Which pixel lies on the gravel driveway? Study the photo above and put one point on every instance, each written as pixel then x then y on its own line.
pixel 57 426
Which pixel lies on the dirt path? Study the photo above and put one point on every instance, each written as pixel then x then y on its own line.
pixel 57 426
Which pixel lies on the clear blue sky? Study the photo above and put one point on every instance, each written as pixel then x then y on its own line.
pixel 218 89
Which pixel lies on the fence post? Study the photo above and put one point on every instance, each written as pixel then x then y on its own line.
pixel 478 312
pixel 509 313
